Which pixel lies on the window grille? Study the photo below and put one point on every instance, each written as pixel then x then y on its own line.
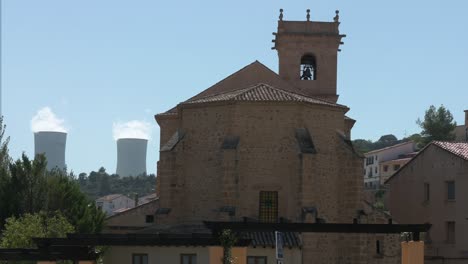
pixel 268 206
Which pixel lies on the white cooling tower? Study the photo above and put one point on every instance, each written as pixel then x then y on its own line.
pixel 52 144
pixel 131 156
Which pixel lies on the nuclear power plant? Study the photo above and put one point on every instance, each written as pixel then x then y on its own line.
pixel 131 156
pixel 52 144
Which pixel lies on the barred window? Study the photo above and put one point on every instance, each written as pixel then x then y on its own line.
pixel 268 208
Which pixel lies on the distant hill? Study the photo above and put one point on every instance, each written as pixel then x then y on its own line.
pixel 99 183
pixel 363 145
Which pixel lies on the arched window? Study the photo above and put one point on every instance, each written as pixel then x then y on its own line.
pixel 308 67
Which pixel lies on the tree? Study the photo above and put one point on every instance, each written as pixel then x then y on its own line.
pixel 5 192
pixel 417 139
pixel 19 232
pixel 29 188
pixel 28 182
pixel 65 195
pixel 438 124
pixel 227 240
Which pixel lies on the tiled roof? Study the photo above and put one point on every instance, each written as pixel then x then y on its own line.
pixel 250 75
pixel 257 239
pixel 267 239
pixel 459 149
pixel 261 93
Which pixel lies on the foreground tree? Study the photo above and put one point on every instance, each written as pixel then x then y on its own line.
pixel 64 194
pixel 5 178
pixel 26 187
pixel 438 124
pixel 19 232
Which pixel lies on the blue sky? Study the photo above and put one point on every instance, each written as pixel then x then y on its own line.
pixel 95 63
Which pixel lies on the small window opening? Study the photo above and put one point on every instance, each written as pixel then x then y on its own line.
pixel 378 249
pixel 308 68
pixel 149 219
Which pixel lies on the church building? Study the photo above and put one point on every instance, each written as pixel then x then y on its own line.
pixel 267 147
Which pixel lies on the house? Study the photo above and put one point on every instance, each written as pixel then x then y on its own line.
pixel 373 173
pixel 147 198
pixel 461 132
pixel 431 188
pixel 389 167
pixel 114 203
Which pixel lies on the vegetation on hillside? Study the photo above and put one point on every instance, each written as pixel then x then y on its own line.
pixel 438 124
pixel 100 183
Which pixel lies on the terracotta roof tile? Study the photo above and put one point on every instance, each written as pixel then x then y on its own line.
pixel 267 239
pixel 457 148
pixel 260 93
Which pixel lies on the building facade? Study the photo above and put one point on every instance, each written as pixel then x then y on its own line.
pixel 114 203
pixel 374 176
pixel 431 188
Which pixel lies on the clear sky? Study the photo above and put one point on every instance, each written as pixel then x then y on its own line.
pixel 95 63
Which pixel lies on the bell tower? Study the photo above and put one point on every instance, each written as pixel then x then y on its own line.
pixel 308 52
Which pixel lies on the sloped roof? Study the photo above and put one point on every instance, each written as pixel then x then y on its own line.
pixel 268 239
pixel 248 76
pixel 260 92
pixel 390 147
pixel 251 74
pixel 457 148
pixel 109 197
pixel 257 239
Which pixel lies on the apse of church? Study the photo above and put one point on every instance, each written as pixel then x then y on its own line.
pixel 267 147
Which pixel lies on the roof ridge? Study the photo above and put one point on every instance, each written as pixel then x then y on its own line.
pixel 223 92
pixel 226 78
pixel 389 147
pixel 420 152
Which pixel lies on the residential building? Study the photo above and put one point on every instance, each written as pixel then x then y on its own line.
pixel 114 203
pixel 431 188
pixel 461 131
pixel 389 167
pixel 147 198
pixel 374 159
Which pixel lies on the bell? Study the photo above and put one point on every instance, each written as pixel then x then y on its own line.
pixel 306 74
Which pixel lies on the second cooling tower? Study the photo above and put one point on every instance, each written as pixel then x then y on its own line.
pixel 131 156
pixel 52 145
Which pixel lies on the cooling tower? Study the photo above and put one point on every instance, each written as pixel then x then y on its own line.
pixel 131 156
pixel 52 144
